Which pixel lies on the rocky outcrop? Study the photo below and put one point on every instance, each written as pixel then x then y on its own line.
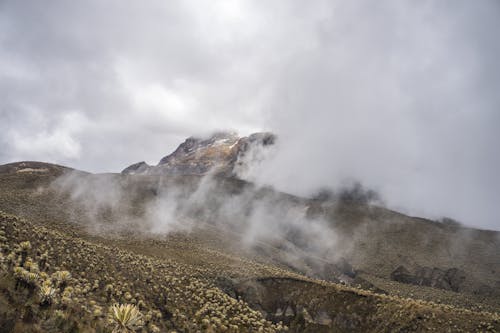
pixel 302 305
pixel 218 154
pixel 450 279
pixel 141 167
pixel 338 271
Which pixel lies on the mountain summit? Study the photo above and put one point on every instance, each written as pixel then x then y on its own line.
pixel 220 153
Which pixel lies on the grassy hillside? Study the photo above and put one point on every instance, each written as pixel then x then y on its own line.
pixel 62 269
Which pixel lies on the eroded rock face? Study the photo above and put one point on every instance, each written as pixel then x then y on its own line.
pixel 302 305
pixel 217 154
pixel 450 279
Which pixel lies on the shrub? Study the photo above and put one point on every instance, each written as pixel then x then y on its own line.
pixel 47 295
pixel 126 318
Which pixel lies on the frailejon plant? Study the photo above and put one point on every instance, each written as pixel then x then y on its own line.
pixel 47 295
pixel 24 247
pixel 125 317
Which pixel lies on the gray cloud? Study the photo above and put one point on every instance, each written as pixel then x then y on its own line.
pixel 402 96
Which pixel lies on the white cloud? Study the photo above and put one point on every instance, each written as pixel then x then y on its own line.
pixel 57 144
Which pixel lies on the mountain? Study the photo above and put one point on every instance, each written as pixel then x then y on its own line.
pixel 190 247
pixel 218 153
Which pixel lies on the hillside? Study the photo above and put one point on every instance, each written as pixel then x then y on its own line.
pixel 215 253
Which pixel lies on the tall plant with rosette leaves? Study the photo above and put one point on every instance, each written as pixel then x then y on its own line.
pixel 125 317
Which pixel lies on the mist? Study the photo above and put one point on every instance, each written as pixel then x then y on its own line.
pixel 402 97
pixel 248 218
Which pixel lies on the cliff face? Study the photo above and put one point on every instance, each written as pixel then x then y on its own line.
pixel 218 154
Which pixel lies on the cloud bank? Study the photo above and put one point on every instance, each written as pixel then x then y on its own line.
pixel 400 96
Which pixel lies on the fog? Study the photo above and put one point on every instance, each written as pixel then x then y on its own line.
pixel 245 217
pixel 401 96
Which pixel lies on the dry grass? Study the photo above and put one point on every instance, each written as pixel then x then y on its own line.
pixel 56 276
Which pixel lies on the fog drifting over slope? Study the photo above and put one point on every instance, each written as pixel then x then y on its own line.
pixel 402 96
pixel 252 219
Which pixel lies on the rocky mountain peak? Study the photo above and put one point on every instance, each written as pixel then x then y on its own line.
pixel 217 153
pixel 194 145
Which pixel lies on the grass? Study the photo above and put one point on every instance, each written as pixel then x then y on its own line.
pixel 58 276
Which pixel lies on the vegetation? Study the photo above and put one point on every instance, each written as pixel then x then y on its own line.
pixel 57 276
pixel 169 294
pixel 127 318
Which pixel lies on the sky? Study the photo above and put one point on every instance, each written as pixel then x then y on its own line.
pixel 402 96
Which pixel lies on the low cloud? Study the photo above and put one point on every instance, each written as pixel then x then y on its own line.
pixel 252 218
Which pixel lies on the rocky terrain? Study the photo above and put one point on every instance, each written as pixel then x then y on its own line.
pixel 218 154
pixel 186 246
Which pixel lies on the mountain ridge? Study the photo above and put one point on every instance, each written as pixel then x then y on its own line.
pixel 219 153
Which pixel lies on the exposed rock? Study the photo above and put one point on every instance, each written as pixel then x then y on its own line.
pixel 450 279
pixel 455 277
pixel 286 300
pixel 141 167
pixel 401 274
pixel 217 154
pixel 337 271
pixel 345 267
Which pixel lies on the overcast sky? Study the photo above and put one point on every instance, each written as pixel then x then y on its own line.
pixel 401 95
